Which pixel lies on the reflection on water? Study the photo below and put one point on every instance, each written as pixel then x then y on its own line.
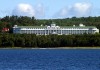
pixel 49 59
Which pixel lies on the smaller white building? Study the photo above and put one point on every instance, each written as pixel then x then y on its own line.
pixel 53 29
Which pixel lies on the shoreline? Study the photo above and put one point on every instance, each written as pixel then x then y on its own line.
pixel 56 48
pixel 79 47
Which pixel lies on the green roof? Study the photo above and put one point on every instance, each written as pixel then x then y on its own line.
pixel 59 26
pixel 32 26
pixel 77 26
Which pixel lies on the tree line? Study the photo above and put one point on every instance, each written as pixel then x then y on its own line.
pixel 48 41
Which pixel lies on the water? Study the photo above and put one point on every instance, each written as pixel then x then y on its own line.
pixel 49 59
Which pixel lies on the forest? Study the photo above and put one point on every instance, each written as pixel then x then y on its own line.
pixel 8 39
pixel 48 41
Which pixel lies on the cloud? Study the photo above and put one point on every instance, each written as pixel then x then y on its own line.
pixel 77 9
pixel 62 13
pixel 24 10
pixel 39 11
pixel 81 9
pixel 28 10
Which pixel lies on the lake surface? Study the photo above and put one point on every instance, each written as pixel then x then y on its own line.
pixel 49 59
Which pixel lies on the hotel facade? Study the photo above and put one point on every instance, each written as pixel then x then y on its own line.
pixel 54 29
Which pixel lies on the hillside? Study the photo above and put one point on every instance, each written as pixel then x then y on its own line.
pixel 9 21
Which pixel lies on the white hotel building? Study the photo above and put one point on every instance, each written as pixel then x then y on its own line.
pixel 53 29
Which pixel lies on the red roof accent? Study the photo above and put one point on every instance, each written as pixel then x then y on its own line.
pixel 5 29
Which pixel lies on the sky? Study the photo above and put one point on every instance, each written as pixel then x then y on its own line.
pixel 50 9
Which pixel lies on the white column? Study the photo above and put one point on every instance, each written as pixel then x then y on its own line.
pixel 48 32
pixel 61 31
pixel 45 31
